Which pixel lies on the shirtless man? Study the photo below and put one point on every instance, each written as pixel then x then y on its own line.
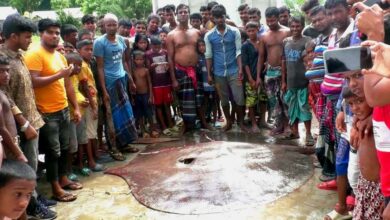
pixel 183 59
pixel 270 52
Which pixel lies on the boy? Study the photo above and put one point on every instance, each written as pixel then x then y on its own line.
pixel 196 20
pixel 88 89
pixel 144 92
pixel 369 198
pixel 163 38
pixel 294 82
pixel 250 54
pixel 17 182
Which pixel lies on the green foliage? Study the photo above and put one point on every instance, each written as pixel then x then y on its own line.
pixel 122 8
pixel 64 18
pixel 25 5
pixel 295 6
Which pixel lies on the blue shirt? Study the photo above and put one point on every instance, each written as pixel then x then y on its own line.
pixel 202 67
pixel 112 54
pixel 223 49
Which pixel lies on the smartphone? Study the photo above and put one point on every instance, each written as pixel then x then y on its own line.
pixel 347 60
pixel 384 5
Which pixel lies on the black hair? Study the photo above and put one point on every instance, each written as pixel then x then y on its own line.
pixel 272 11
pixel 159 9
pixel 140 22
pixel 297 19
pixel 252 24
pixel 180 6
pixel 138 53
pixel 329 4
pixel 138 38
pixel 203 8
pixel 155 41
pixel 283 9
pixel 309 4
pixel 83 43
pixel 125 23
pixel 244 35
pixel 169 7
pixel 88 18
pixel 16 24
pixel 67 29
pixel 316 10
pixel 67 44
pixel 199 41
pixel 73 56
pixel 347 93
pixel 15 169
pixel 164 30
pixel 252 11
pixel 4 60
pixel 83 32
pixel 153 16
pixel 210 5
pixel 47 23
pixel 386 20
pixel 218 11
pixel 242 7
pixel 196 16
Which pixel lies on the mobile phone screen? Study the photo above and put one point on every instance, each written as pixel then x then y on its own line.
pixel 347 59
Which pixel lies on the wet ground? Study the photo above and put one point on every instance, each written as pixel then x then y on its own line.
pixel 287 182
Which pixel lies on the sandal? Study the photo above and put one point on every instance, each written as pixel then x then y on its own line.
pixel 66 197
pixel 309 140
pixel 98 168
pixel 350 203
pixel 334 215
pixel 175 129
pixel 167 132
pixel 130 149
pixel 330 185
pixel 117 156
pixel 84 171
pixel 73 186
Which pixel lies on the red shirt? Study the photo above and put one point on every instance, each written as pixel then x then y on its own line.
pixel 381 125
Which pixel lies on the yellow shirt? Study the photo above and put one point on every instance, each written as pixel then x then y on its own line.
pixel 50 98
pixel 86 74
pixel 79 96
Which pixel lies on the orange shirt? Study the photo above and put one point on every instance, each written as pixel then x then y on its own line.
pixel 50 98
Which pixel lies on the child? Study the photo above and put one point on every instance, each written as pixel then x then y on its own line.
pixel 68 48
pixel 210 99
pixel 249 52
pixel 369 198
pixel 294 82
pixel 163 38
pixel 157 63
pixel 17 183
pixel 141 43
pixel 196 20
pixel 88 89
pixel 144 93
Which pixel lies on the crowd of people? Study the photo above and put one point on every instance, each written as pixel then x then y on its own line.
pixel 174 73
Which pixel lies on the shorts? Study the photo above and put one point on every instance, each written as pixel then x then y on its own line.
pixel 92 124
pixel 342 157
pixel 78 134
pixel 162 95
pixel 252 96
pixel 223 83
pixel 141 107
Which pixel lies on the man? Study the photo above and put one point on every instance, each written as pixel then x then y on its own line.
pixel 223 55
pixel 243 12
pixel 115 78
pixel 306 7
pixel 89 23
pixel 284 16
pixel 69 34
pixel 124 27
pixel 169 11
pixel 183 59
pixel 17 34
pixel 53 90
pixel 153 29
pixel 161 13
pixel 271 50
pixel 205 15
pixel 254 15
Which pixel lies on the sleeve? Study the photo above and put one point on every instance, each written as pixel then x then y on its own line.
pixel 209 48
pixel 98 49
pixel 238 42
pixel 244 55
pixel 33 61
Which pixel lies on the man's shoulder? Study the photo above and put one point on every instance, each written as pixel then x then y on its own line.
pixel 210 32
pixel 232 28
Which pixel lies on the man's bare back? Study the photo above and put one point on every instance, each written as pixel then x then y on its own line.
pixel 141 80
pixel 272 42
pixel 184 46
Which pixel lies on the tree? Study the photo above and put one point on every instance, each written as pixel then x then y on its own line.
pixel 64 18
pixel 25 5
pixel 295 6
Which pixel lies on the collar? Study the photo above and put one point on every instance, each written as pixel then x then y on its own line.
pixel 227 28
pixel 10 53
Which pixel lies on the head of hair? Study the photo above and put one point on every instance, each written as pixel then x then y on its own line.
pixel 347 93
pixel 14 170
pixel 218 11
pixel 73 56
pixel 253 11
pixel 309 4
pixel 88 18
pixel 180 6
pixel 164 30
pixel 16 24
pixel 125 23
pixel 67 29
pixel 67 44
pixel 159 9
pixel 386 20
pixel 138 38
pixel 284 9
pixel 252 24
pixel 47 23
pixel 140 22
pixel 169 8
pixel 242 7
pixel 153 16
pixel 83 43
pixel 199 41
pixel 203 8
pixel 4 60
pixel 329 4
pixel 138 53
pixel 210 5
pixel 196 16
pixel 297 19
pixel 155 41
pixel 316 10
pixel 272 11
pixel 83 32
